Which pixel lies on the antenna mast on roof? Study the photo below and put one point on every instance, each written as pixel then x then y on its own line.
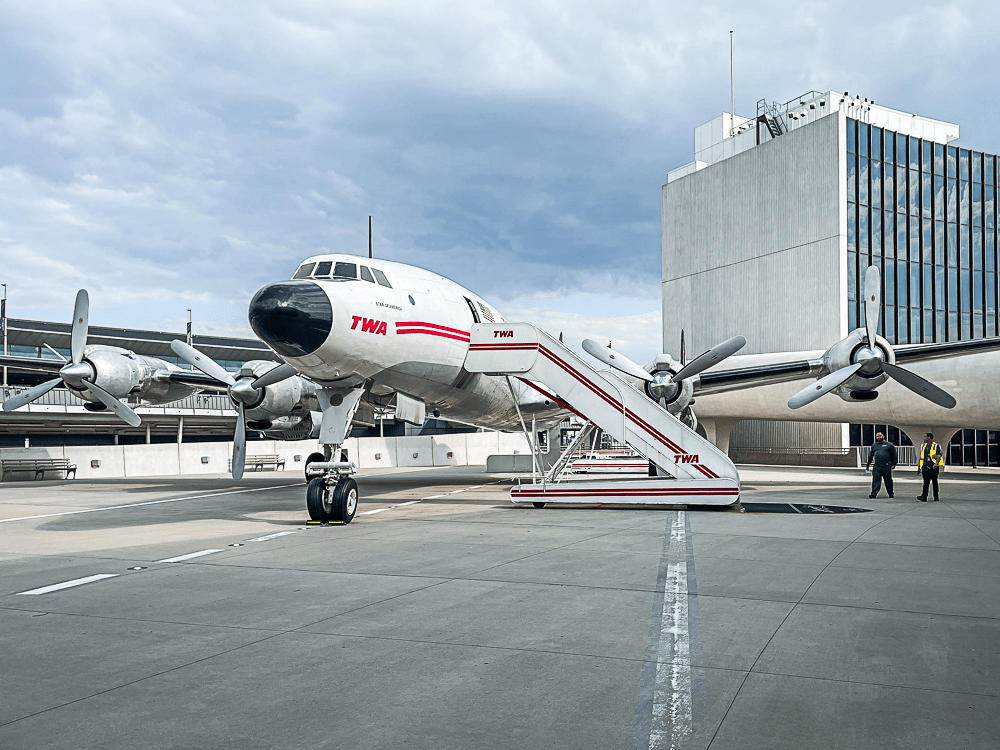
pixel 371 252
pixel 732 86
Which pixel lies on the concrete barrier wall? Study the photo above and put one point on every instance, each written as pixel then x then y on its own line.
pixel 171 459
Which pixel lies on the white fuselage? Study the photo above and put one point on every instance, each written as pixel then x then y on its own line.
pixel 411 337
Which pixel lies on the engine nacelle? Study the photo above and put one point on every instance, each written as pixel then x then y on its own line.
pixel 116 371
pixel 280 401
pixel 860 387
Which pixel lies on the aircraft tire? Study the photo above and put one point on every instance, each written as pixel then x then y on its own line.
pixel 345 500
pixel 539 505
pixel 313 457
pixel 320 500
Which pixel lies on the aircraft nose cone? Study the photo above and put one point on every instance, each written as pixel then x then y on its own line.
pixel 294 317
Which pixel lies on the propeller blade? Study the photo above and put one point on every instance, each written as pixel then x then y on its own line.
pixel 240 444
pixel 616 360
pixel 711 357
pixel 919 386
pixel 114 404
pixel 26 397
pixel 206 364
pixel 822 386
pixel 873 302
pixel 81 320
pixel 275 375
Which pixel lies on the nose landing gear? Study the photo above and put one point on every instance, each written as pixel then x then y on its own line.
pixel 332 499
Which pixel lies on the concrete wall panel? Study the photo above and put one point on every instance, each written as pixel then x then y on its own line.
pixel 406 447
pixel 158 459
pixel 112 458
pixel 190 455
pixel 375 453
pixel 454 445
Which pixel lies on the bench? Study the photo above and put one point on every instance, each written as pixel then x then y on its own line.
pixel 257 463
pixel 37 465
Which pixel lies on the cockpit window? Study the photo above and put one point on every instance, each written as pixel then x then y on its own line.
pixel 304 271
pixel 381 278
pixel 323 269
pixel 366 274
pixel 346 270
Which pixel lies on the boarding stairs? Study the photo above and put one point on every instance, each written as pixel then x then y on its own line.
pixel 694 472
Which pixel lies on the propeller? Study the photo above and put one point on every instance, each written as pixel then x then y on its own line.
pixel 822 386
pixel 77 373
pixel 243 391
pixel 713 356
pixel 873 303
pixel 869 359
pixel 614 359
pixel 665 385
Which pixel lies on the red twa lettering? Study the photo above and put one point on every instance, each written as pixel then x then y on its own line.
pixel 369 325
pixel 686 459
pixel 503 334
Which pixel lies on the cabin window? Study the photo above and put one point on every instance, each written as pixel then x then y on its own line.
pixel 305 271
pixel 346 271
pixel 323 269
pixel 366 274
pixel 381 278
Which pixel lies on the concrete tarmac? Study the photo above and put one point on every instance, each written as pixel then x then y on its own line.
pixel 445 617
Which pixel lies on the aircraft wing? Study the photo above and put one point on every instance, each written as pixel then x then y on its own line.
pixel 34 364
pixel 722 381
pixel 920 352
pixel 193 378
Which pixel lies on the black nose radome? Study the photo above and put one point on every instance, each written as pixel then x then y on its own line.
pixel 294 317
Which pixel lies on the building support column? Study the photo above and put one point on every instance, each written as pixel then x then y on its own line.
pixel 148 436
pixel 180 429
pixel 718 431
pixel 942 436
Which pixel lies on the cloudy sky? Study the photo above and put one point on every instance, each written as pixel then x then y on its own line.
pixel 166 153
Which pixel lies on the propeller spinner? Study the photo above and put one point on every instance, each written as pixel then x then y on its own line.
pixel 77 374
pixel 243 391
pixel 869 359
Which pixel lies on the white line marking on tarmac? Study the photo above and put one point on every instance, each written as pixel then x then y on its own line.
pixel 151 502
pixel 68 584
pixel 271 536
pixel 411 502
pixel 433 497
pixel 377 510
pixel 672 705
pixel 190 556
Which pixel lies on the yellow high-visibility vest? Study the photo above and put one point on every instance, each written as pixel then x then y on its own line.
pixel 933 457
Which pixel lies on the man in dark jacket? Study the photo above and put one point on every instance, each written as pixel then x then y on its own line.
pixel 883 455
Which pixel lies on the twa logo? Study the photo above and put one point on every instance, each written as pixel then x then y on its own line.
pixel 691 458
pixel 503 334
pixel 368 325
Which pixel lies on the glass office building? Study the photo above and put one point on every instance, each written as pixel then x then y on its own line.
pixel 771 229
pixel 926 215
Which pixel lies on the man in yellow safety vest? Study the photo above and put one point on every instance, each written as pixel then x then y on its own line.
pixel 931 461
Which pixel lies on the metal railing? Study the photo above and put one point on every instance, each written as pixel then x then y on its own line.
pixel 906 455
pixel 62 397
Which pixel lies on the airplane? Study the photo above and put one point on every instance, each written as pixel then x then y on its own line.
pixel 366 329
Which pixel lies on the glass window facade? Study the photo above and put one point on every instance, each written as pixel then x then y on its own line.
pixel 926 215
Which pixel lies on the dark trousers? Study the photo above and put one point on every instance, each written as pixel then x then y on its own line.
pixel 929 475
pixel 878 474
